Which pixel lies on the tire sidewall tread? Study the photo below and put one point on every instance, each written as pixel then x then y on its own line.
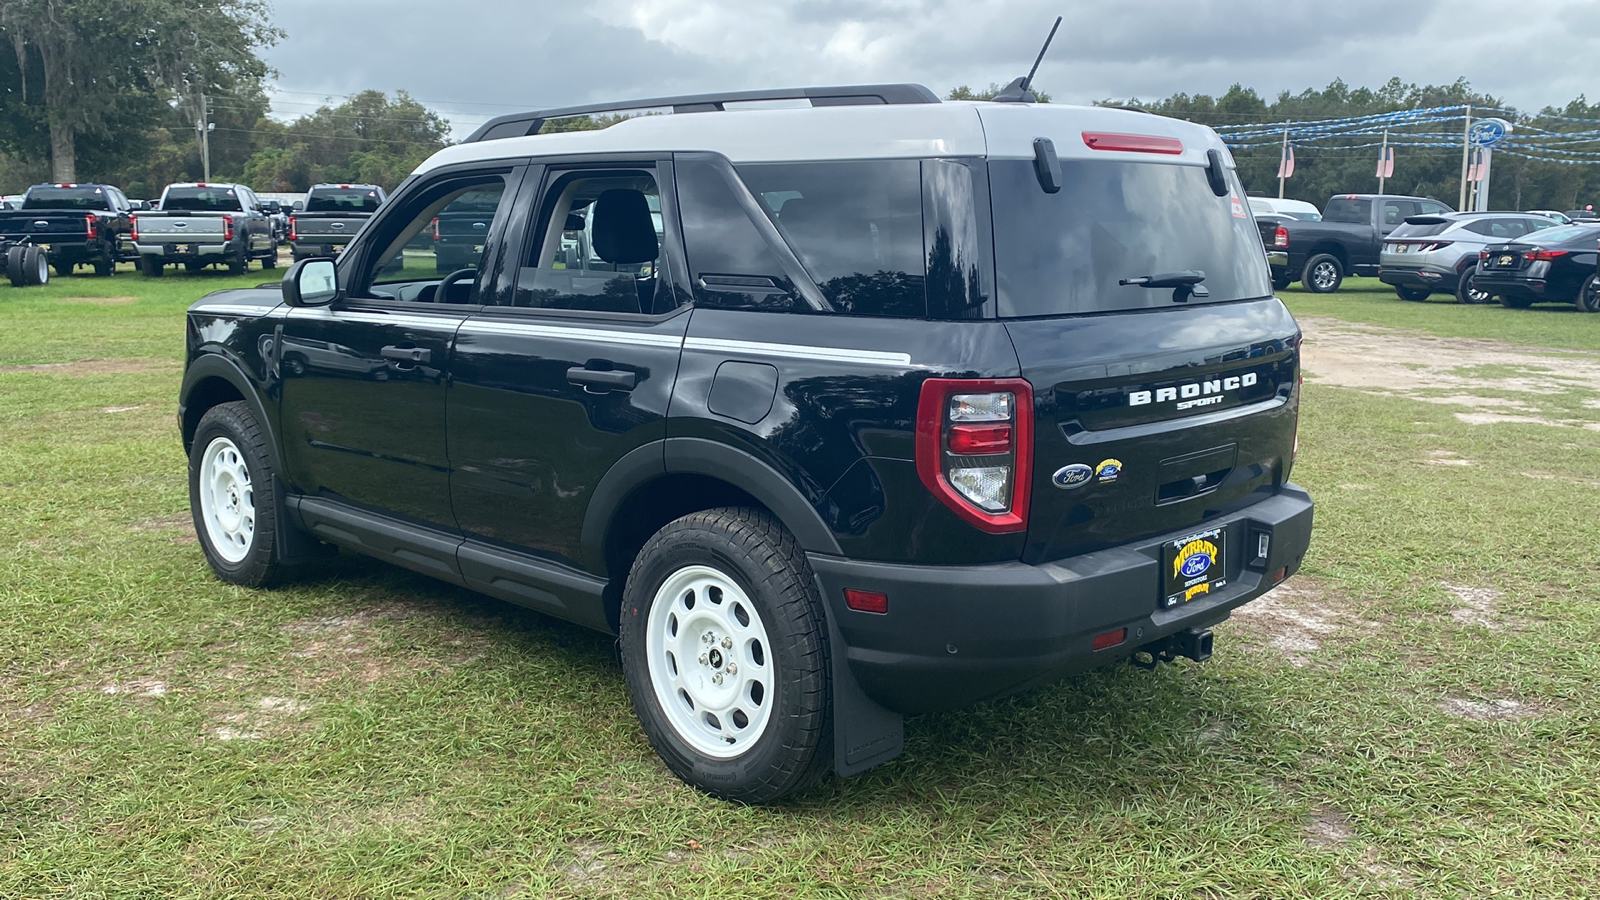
pixel 233 420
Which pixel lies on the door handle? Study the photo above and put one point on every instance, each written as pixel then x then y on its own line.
pixel 600 381
pixel 408 355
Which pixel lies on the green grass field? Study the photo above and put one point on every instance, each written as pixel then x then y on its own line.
pixel 1417 715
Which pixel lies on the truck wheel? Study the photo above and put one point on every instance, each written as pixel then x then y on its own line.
pixel 1588 299
pixel 270 261
pixel 26 266
pixel 725 654
pixel 14 266
pixel 1281 282
pixel 1467 290
pixel 1323 274
pixel 106 265
pixel 1415 295
pixel 230 496
pixel 152 268
pixel 239 263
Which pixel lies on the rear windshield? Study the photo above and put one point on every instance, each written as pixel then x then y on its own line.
pixel 1566 233
pixel 1065 252
pixel 1422 230
pixel 66 198
pixel 352 200
pixel 198 199
pixel 1348 209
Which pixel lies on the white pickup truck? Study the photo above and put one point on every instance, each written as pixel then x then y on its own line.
pixel 205 224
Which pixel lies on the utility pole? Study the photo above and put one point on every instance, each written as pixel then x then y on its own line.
pixel 1283 161
pixel 1383 159
pixel 1466 157
pixel 202 125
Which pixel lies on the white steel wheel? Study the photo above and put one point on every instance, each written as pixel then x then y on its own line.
pixel 227 502
pixel 710 662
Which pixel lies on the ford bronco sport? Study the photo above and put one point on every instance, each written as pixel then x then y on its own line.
pixel 831 414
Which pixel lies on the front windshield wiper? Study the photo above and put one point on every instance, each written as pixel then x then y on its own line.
pixel 1185 284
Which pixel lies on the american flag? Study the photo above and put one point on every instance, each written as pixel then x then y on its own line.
pixel 1386 163
pixel 1286 165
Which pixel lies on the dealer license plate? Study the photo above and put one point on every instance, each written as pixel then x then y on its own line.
pixel 184 249
pixel 1193 567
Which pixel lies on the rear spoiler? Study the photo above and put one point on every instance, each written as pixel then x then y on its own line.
pixel 1427 220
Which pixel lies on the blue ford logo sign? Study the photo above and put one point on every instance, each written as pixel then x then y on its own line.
pixel 1075 475
pixel 1196 565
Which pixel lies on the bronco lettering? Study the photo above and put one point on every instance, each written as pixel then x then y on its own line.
pixel 1204 393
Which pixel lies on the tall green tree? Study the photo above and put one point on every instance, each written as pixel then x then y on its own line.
pixel 369 138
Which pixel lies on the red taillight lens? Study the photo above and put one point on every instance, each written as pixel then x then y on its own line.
pixel 294 235
pixel 1545 255
pixel 867 601
pixel 93 227
pixel 979 440
pixel 975 448
pixel 134 221
pixel 434 225
pixel 227 228
pixel 1483 254
pixel 1111 639
pixel 1132 143
pixel 1280 238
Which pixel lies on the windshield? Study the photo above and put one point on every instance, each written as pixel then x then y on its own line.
pixel 343 199
pixel 1065 252
pixel 1563 234
pixel 66 198
pixel 1303 216
pixel 201 199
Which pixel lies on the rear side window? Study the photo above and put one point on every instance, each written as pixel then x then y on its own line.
pixel 342 199
pixel 856 227
pixel 1067 252
pixel 1348 209
pixel 198 199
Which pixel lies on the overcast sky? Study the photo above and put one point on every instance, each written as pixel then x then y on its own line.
pixel 470 61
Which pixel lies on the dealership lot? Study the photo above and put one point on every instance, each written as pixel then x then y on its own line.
pixel 1414 714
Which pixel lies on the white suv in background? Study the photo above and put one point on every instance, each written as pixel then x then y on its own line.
pixel 1294 209
pixel 1439 253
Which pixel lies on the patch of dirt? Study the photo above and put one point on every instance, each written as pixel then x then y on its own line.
pixel 1445 458
pixel 120 409
pixel 99 367
pixel 164 523
pixel 1487 710
pixel 1395 363
pixel 590 862
pixel 1328 828
pixel 98 301
pixel 1478 606
pixel 1295 617
pixel 349 646
pixel 137 687
pixel 271 717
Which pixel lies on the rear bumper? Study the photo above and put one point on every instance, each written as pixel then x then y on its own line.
pixel 1510 286
pixel 318 246
pixel 167 251
pixel 1429 277
pixel 957 635
pixel 1278 259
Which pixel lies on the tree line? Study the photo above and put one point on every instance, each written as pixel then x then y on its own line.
pixel 1335 166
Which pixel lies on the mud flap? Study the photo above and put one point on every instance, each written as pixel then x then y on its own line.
pixel 865 734
pixel 293 544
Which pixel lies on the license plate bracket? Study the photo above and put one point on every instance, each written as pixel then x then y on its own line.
pixel 1193 566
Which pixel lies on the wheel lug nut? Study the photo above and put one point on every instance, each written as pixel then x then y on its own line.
pixel 727 643
pixel 704 659
pixel 733 669
pixel 705 638
pixel 717 678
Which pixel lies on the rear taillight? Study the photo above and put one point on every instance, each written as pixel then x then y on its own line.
pixel 93 227
pixel 1280 238
pixel 294 234
pixel 975 448
pixel 434 226
pixel 227 228
pixel 1483 254
pixel 1544 255
pixel 134 234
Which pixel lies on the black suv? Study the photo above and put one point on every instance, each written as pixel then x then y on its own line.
pixel 831 414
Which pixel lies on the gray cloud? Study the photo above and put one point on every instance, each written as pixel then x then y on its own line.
pixel 475 60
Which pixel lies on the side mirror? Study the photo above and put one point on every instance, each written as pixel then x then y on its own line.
pixel 311 282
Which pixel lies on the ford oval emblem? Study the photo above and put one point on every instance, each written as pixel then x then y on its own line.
pixel 339 225
pixel 1075 475
pixel 1196 565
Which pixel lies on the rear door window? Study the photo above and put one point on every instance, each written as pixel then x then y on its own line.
pixel 1068 252
pixel 1351 210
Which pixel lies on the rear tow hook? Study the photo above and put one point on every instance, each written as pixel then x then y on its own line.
pixel 1190 643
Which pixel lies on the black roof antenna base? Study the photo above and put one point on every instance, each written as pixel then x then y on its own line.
pixel 1016 92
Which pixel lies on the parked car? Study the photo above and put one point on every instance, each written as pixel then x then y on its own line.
pixel 1347 241
pixel 895 408
pixel 1560 218
pixel 1439 253
pixel 1294 209
pixel 332 216
pixel 205 224
pixel 1587 214
pixel 74 224
pixel 1553 266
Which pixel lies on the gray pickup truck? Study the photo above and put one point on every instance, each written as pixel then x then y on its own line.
pixel 333 215
pixel 199 225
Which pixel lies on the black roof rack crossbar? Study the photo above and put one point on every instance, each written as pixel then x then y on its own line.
pixel 522 124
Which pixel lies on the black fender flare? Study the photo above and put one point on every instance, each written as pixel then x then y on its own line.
pixel 217 365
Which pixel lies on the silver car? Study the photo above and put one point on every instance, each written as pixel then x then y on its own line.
pixel 1437 254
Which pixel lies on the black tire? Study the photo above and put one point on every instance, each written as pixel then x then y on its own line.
pixel 152 268
pixel 1323 274
pixel 105 266
pixel 1588 299
pixel 239 263
pixel 34 270
pixel 270 261
pixel 257 565
pixel 1281 282
pixel 1515 302
pixel 14 266
pixel 1415 295
pixel 753 551
pixel 1467 290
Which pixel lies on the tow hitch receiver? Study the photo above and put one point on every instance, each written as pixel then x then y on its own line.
pixel 1192 643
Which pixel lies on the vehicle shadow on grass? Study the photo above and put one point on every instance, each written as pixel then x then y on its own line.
pixel 1089 742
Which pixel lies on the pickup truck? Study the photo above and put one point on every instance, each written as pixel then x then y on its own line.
pixel 204 224
pixel 1348 240
pixel 74 224
pixel 332 216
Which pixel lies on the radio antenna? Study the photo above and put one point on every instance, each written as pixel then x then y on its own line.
pixel 1020 90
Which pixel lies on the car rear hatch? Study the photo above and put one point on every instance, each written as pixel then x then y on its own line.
pixel 341 228
pixel 1156 408
pixel 1507 261
pixel 155 229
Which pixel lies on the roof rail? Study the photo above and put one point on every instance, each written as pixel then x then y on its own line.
pixel 523 124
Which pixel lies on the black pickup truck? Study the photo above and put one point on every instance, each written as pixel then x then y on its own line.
pixel 1348 240
pixel 75 224
pixel 333 215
